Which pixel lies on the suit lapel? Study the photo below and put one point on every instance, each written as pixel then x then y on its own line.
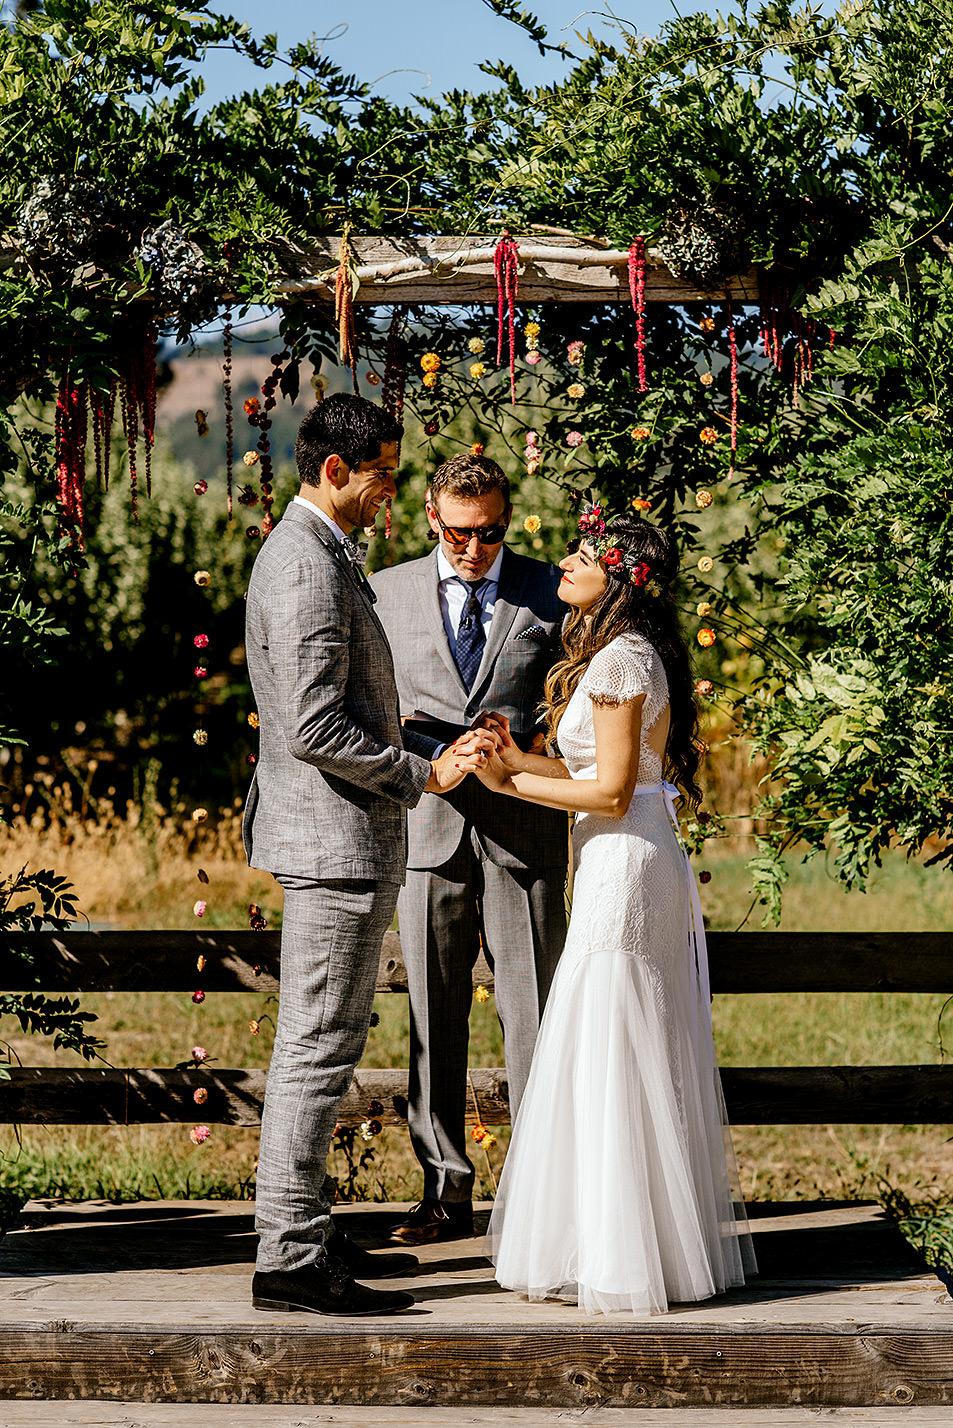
pixel 429 596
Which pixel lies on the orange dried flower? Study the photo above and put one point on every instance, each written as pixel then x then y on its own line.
pixel 708 436
pixel 640 433
pixel 705 637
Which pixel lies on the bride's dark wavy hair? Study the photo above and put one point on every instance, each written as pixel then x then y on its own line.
pixel 624 608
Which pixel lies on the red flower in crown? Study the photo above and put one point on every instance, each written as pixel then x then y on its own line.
pixel 613 556
pixel 640 574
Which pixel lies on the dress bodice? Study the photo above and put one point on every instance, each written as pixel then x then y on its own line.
pixel 622 670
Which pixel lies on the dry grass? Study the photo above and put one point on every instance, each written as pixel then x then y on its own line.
pixel 137 868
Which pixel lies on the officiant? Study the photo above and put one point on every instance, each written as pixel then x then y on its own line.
pixel 473 627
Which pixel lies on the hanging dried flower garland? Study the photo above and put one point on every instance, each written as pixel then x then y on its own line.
pixel 344 307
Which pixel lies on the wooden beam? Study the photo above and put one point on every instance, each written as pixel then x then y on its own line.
pixel 454 269
pixel 759 1095
pixel 741 962
pixel 810 1367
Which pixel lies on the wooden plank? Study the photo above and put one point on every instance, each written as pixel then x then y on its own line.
pixel 460 269
pixel 760 1095
pixel 741 962
pixel 84 1095
pixel 416 1365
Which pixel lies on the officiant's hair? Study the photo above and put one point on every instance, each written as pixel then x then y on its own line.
pixel 647 610
pixel 467 476
pixel 346 426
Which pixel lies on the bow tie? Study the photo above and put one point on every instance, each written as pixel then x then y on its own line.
pixel 356 554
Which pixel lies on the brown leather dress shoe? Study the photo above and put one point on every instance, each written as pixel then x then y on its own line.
pixel 432 1221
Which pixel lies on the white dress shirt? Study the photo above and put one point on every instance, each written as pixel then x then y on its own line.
pixel 453 596
pixel 332 526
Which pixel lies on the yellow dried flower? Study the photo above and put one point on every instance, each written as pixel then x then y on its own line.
pixel 703 499
pixel 199 815
pixel 481 994
pixel 706 563
pixel 200 737
pixel 703 610
pixel 430 362
pixel 532 329
pixel 476 345
pixel 532 525
pixel 477 371
pixel 430 379
pixel 253 720
pixel 202 577
pixel 639 503
pixel 576 391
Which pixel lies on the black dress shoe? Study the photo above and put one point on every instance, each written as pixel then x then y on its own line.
pixel 363 1265
pixel 433 1221
pixel 323 1288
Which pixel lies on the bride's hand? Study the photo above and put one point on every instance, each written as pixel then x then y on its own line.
pixel 508 750
pixel 494 773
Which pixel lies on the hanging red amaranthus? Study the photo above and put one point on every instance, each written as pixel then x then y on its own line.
pixel 70 429
pixel 778 319
pixel 506 263
pixel 344 310
pixel 733 367
pixel 637 292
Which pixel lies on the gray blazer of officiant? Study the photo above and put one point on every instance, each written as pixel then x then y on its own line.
pixel 333 777
pixel 522 644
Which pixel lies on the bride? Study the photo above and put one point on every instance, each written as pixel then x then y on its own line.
pixel 617 1192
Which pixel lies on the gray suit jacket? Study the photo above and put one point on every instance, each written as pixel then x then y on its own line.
pixel 522 645
pixel 333 779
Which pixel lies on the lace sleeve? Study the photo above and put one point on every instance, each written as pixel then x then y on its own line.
pixel 618 674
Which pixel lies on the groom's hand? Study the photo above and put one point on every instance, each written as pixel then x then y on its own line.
pixel 467 754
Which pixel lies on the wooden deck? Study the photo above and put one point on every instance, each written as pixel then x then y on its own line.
pixel 149 1303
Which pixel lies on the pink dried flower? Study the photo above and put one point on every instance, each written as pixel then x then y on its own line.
pixel 198 997
pixel 199 1054
pixel 200 642
pixel 574 438
pixel 198 1134
pixel 533 357
pixel 199 907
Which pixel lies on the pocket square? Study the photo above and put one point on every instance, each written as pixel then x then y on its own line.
pixel 533 632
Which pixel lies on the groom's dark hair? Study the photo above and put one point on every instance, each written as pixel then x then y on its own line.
pixel 346 426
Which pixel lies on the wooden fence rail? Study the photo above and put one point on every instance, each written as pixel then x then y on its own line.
pixel 744 962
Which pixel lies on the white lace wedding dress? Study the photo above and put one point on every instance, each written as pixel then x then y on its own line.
pixel 618 1191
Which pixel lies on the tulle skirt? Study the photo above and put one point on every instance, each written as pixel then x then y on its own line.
pixel 618 1191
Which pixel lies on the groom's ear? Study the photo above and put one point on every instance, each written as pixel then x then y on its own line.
pixel 334 471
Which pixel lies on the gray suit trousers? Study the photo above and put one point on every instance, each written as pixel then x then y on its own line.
pixel 330 951
pixel 442 913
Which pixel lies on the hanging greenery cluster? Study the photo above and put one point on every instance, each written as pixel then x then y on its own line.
pixel 816 147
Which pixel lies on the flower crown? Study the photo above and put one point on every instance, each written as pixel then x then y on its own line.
pixel 619 563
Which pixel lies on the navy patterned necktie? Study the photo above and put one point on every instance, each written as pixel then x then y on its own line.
pixel 471 636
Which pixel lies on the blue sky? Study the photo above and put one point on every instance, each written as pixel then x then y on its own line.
pixel 429 46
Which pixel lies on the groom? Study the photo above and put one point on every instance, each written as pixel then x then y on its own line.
pixel 326 814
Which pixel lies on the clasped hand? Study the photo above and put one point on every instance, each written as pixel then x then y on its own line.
pixel 470 753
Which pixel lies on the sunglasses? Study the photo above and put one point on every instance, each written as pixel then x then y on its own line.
pixel 460 536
